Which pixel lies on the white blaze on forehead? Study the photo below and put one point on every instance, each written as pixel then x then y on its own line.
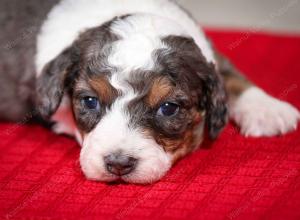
pixel 134 52
pixel 140 37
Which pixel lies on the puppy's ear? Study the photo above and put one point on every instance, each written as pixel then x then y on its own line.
pixel 215 102
pixel 54 80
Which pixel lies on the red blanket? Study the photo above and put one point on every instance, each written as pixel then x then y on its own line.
pixel 234 178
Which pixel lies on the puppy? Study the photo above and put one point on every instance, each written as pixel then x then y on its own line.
pixel 137 83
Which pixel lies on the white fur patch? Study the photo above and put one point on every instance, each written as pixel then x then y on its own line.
pixel 114 134
pixel 133 52
pixel 140 37
pixel 70 17
pixel 259 114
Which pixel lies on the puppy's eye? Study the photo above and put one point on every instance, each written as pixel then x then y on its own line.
pixel 168 109
pixel 91 103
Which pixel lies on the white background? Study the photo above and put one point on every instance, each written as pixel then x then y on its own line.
pixel 267 15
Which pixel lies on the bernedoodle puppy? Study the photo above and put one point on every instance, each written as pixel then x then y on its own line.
pixel 137 83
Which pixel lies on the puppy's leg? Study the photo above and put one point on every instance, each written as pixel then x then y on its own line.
pixel 253 110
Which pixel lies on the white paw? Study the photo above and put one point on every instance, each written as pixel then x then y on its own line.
pixel 62 128
pixel 259 114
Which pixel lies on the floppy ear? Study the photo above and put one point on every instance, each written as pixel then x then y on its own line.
pixel 215 102
pixel 53 81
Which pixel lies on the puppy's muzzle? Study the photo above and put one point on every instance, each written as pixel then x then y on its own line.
pixel 119 164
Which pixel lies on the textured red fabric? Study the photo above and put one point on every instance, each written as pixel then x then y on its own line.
pixel 234 178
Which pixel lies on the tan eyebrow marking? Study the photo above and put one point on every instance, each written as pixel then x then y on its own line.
pixel 104 89
pixel 161 88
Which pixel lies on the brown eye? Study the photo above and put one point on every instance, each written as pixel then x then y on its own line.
pixel 91 103
pixel 168 109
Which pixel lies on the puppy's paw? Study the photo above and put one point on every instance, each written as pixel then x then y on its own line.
pixel 62 128
pixel 259 114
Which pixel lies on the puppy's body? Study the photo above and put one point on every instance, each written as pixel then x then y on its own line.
pixel 20 23
pixel 136 82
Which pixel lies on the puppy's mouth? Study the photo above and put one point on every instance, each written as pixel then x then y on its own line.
pixel 118 180
pixel 114 179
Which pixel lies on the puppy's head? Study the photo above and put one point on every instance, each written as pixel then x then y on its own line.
pixel 141 98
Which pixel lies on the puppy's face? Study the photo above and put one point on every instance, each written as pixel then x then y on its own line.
pixel 139 104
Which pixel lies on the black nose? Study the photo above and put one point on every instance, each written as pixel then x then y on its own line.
pixel 119 164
